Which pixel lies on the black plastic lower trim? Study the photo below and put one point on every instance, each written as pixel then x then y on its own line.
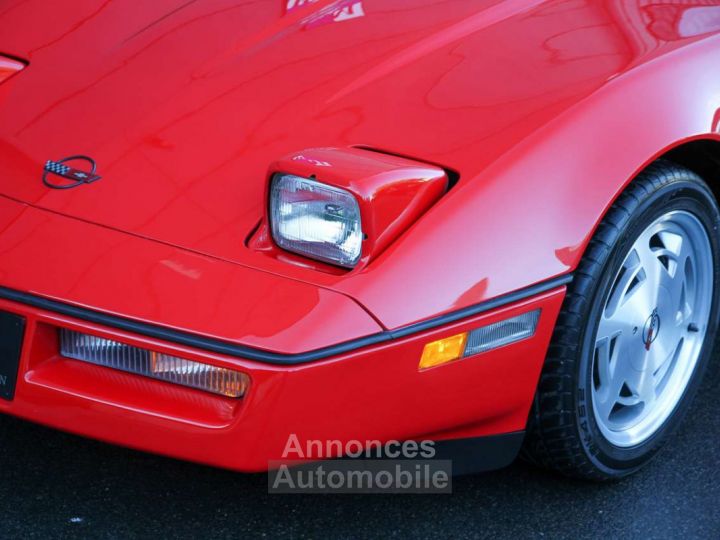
pixel 12 330
pixel 480 454
pixel 468 455
pixel 250 353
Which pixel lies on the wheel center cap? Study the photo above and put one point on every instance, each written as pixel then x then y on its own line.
pixel 651 329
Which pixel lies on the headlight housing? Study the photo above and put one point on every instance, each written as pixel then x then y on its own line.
pixel 343 206
pixel 316 220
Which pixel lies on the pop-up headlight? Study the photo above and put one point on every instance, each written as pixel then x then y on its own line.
pixel 346 205
pixel 315 220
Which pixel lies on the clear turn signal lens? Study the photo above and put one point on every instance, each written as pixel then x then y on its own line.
pixel 116 355
pixel 502 333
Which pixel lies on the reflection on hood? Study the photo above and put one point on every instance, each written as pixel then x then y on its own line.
pixel 342 10
pixel 671 22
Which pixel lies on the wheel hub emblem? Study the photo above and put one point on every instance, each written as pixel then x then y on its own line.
pixel 651 329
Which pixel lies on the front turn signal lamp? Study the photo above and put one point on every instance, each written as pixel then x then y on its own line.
pixel 443 350
pixel 152 364
pixel 480 340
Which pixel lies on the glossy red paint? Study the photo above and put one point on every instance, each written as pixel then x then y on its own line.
pixel 545 108
pixel 61 258
pixel 371 394
pixel 523 98
pixel 392 192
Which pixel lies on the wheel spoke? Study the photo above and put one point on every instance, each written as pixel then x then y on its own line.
pixel 603 359
pixel 612 328
pixel 632 309
pixel 677 282
pixel 663 365
pixel 630 278
pixel 662 351
pixel 609 397
pixel 644 388
pixel 614 370
pixel 655 272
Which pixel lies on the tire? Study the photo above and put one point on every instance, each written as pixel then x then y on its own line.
pixel 574 426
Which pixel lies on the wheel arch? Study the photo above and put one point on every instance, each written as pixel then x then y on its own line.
pixel 699 154
pixel 702 156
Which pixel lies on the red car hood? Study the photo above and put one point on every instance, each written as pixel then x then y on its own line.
pixel 184 104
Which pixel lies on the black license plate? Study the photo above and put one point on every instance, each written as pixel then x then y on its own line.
pixel 12 329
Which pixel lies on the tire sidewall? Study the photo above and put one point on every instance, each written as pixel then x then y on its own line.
pixel 691 195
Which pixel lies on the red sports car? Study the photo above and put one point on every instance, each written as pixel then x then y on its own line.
pixel 488 223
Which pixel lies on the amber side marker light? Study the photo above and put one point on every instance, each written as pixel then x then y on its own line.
pixel 9 67
pixel 480 340
pixel 155 365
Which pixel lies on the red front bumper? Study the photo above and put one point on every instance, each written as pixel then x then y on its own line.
pixel 371 393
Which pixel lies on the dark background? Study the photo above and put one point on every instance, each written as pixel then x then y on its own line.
pixel 54 484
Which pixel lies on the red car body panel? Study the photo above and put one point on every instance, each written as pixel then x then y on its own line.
pixel 545 109
pixel 372 394
pixel 186 108
pixel 153 282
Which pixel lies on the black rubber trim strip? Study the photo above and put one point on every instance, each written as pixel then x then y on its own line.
pixel 250 353
pixel 469 455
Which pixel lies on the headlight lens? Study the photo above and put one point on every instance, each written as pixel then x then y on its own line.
pixel 315 220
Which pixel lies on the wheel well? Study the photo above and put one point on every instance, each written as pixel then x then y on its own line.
pixel 703 158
